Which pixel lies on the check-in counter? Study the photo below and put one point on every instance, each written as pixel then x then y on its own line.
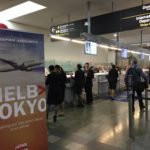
pixel 101 85
pixel 98 77
pixel 70 97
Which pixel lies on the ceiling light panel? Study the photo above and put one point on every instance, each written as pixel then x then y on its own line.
pixel 20 10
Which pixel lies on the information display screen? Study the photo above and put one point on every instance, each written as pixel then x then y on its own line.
pixel 124 53
pixel 90 48
pixel 142 56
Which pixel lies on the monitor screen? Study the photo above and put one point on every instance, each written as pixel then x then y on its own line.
pixel 124 53
pixel 90 48
pixel 142 56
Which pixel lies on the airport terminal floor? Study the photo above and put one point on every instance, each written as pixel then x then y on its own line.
pixel 101 126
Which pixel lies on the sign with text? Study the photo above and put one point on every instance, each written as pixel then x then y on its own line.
pixel 123 20
pixel 90 48
pixel 71 30
pixel 22 91
pixel 118 21
pixel 137 18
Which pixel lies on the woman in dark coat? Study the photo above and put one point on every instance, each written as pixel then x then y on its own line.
pixel 112 79
pixel 62 77
pixel 53 98
pixel 79 84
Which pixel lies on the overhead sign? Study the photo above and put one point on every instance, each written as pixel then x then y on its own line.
pixel 137 18
pixel 123 20
pixel 72 29
pixel 22 91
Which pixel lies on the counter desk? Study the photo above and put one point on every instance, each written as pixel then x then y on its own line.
pixel 101 85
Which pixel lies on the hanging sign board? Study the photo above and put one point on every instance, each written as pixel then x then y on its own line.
pixel 137 17
pixel 71 30
pixel 132 18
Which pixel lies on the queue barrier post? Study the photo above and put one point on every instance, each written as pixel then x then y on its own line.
pixel 146 105
pixel 130 111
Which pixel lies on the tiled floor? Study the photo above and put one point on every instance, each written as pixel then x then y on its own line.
pixel 101 126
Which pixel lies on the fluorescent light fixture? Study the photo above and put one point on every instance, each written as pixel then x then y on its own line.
pixel 60 38
pixel 20 10
pixel 146 54
pixel 100 45
pixel 109 47
pixel 103 46
pixel 113 48
pixel 133 52
pixel 78 41
pixel 115 34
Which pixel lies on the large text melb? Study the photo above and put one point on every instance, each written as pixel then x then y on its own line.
pixel 17 100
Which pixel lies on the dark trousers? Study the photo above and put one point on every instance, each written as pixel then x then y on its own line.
pixel 139 97
pixel 89 95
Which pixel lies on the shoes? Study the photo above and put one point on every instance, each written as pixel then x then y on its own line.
pixel 54 119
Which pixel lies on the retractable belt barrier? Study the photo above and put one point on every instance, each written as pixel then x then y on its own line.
pixel 146 98
pixel 129 95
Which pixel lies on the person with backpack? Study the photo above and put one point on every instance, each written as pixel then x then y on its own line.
pixel 138 80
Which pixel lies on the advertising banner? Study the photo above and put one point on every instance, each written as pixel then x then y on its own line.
pixel 22 91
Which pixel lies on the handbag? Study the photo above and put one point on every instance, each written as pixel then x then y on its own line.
pixel 141 86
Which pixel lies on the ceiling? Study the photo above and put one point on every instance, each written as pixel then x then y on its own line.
pixel 59 11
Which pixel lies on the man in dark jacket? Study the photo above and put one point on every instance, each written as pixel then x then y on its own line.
pixel 137 76
pixel 89 75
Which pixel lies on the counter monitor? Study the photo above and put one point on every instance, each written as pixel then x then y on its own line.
pixel 90 48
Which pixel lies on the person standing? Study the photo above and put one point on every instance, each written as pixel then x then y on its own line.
pixel 137 76
pixel 112 79
pixel 63 86
pixel 79 84
pixel 89 75
pixel 52 83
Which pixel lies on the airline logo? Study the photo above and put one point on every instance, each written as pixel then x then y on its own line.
pixel 22 147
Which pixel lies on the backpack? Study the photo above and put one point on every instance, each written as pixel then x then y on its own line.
pixel 137 81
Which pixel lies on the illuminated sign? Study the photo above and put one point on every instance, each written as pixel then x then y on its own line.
pixel 90 48
pixel 71 30
pixel 124 53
